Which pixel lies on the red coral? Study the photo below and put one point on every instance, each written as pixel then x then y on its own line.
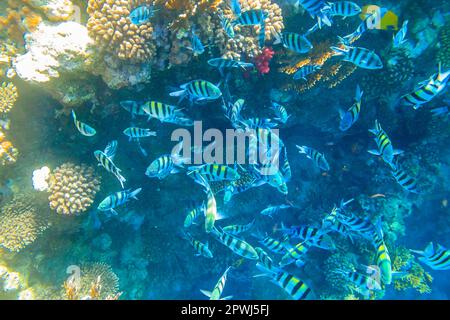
pixel 263 59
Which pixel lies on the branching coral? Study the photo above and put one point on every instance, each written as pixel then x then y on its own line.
pixel 245 43
pixel 185 10
pixel 331 73
pixel 8 96
pixel 416 277
pixel 110 27
pixel 8 153
pixel 73 188
pixel 20 223
pixel 96 281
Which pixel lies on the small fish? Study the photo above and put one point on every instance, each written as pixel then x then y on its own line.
pixel 142 14
pixel 105 159
pixel 317 9
pixel 219 172
pixel 227 26
pixel 385 148
pixel 117 199
pixel 405 180
pixel 276 180
pixel 233 112
pixel 200 248
pixel 383 260
pixel 194 214
pixel 137 133
pixel 238 228
pixel 305 71
pixel 218 288
pixel 295 287
pixel 280 112
pixel 161 111
pixel 222 63
pixel 426 90
pixel 198 90
pixel 133 107
pixel 360 57
pixel 344 9
pixel 238 246
pixel 211 214
pixel 166 164
pixel 235 7
pixel 197 46
pixel 349 117
pixel 82 127
pixel 399 37
pixel 355 224
pixel 364 283
pixel 317 157
pixel 300 232
pixel 294 42
pixel 271 210
pixel 436 258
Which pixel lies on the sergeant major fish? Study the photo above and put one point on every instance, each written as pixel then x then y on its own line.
pixel 117 199
pixel 344 9
pixel 133 107
pixel 404 180
pixel 349 117
pixel 218 172
pixel 385 148
pixel 198 90
pixel 166 164
pixel 437 258
pixel 426 90
pixel 280 112
pixel 360 57
pixel 364 283
pixel 222 63
pixel 194 214
pixel 105 159
pixel 227 26
pixel 238 246
pixel 218 288
pixel 238 228
pixel 399 37
pixel 161 111
pixel 142 14
pixel 317 9
pixel 82 127
pixel 294 42
pixel 137 133
pixel 271 210
pixel 383 260
pixel 305 71
pixel 200 248
pixel 197 46
pixel 317 157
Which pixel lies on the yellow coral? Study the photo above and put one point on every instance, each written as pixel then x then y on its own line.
pixel 8 153
pixel 73 188
pixel 20 223
pixel 110 27
pixel 8 96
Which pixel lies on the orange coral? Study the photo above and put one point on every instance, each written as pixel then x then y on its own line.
pixel 18 20
pixel 8 153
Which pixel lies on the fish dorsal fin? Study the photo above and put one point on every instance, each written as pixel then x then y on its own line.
pixel 110 150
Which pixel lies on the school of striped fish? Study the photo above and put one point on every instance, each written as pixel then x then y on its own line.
pixel 288 246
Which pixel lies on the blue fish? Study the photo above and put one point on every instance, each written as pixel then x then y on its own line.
pixel 82 127
pixel 399 38
pixel 349 117
pixel 117 199
pixel 142 14
pixel 235 7
pixel 305 71
pixel 197 46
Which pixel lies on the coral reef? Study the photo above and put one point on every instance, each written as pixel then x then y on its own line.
pixel 73 188
pixel 262 60
pixel 186 10
pixel 331 73
pixel 416 277
pixel 8 153
pixel 245 43
pixel 8 96
pixel 398 70
pixel 112 30
pixel 96 281
pixel 20 223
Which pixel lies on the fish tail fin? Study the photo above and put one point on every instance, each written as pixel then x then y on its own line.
pixel 339 51
pixel 358 93
pixel 178 93
pixel 121 179
pixel 74 115
pixel 134 193
pixel 206 293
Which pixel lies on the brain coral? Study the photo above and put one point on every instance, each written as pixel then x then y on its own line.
pixel 111 28
pixel 8 96
pixel 20 223
pixel 73 188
